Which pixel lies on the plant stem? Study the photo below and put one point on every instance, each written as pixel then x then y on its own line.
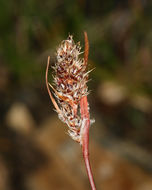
pixel 85 139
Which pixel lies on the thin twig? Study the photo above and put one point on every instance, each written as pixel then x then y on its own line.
pixel 86 118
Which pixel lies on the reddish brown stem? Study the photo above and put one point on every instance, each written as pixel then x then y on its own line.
pixel 86 51
pixel 85 139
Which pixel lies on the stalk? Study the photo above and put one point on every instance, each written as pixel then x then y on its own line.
pixel 85 139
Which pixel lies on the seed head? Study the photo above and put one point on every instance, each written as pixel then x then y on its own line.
pixel 70 78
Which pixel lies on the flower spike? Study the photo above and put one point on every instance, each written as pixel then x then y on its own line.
pixel 70 79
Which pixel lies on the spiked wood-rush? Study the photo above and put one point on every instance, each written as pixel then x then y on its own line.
pixel 70 92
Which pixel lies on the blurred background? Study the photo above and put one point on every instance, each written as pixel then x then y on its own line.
pixel 35 151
